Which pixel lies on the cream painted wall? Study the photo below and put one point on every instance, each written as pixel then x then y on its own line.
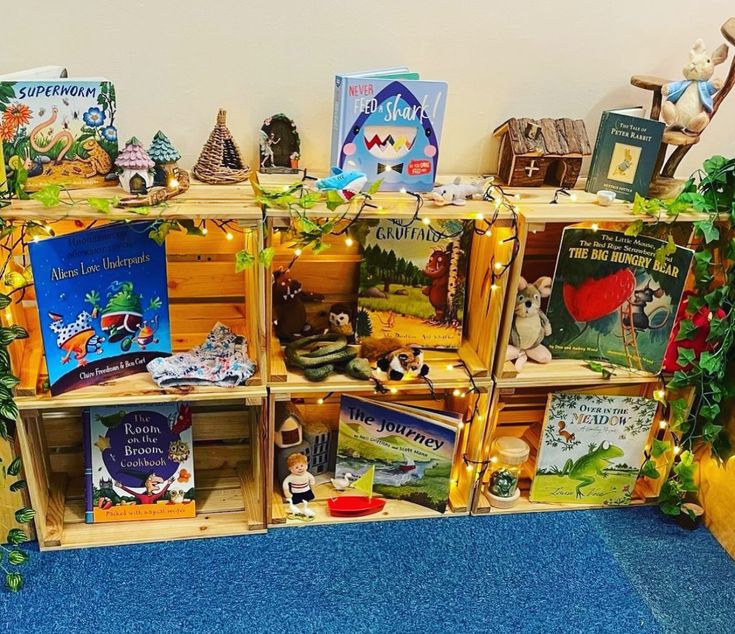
pixel 175 63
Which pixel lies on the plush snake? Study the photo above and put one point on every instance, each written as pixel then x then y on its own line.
pixel 319 361
pixel 64 134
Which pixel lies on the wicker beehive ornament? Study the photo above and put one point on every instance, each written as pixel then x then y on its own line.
pixel 220 162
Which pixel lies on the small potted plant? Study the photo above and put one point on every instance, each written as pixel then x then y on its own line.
pixel 295 156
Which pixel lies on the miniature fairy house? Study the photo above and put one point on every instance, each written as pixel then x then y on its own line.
pixel 165 156
pixel 135 168
pixel 280 145
pixel 221 162
pixel 536 152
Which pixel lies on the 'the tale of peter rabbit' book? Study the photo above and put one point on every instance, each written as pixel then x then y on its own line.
pixel 138 462
pixel 591 448
pixel 103 303
pixel 59 132
pixel 387 124
pixel 624 155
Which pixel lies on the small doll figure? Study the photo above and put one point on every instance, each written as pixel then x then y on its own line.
pixel 297 486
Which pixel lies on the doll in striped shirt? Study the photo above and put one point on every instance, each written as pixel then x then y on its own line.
pixel 297 486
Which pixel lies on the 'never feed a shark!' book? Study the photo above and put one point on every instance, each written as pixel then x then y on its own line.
pixel 387 124
pixel 102 302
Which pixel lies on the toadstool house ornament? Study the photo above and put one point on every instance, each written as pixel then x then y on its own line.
pixel 221 162
pixel 135 168
pixel 165 156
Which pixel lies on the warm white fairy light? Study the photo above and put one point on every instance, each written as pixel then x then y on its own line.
pixel 426 220
pixel 663 424
pixel 659 395
pixel 394 390
pixel 677 450
pixel 480 216
pixel 456 392
pixel 573 197
pixel 388 168
pixel 494 459
pixel 205 231
pixel 297 252
pixel 516 196
pixel 595 226
pixel 229 236
pixel 488 232
pixel 173 184
pixel 469 466
pixel 349 242
pixel 35 238
pixel 450 366
pixel 320 401
pixel 499 265
pixel 403 190
pixel 493 287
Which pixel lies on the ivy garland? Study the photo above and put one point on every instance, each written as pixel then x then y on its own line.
pixel 711 193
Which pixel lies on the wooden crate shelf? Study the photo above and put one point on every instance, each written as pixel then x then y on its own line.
pixel 228 463
pixel 202 201
pixel 567 372
pixel 518 410
pixel 323 407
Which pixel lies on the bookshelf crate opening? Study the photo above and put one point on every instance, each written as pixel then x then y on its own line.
pixel 334 277
pixel 228 468
pixel 319 413
pixel 203 289
pixel 519 412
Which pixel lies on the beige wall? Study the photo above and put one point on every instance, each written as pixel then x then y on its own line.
pixel 175 63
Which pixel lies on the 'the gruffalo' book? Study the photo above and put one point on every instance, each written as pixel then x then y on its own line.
pixel 139 462
pixel 60 131
pixel 387 124
pixel 592 448
pixel 103 303
pixel 625 154
pixel 615 297
pixel 412 281
pixel 411 448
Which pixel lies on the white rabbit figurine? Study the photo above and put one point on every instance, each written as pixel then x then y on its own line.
pixel 688 102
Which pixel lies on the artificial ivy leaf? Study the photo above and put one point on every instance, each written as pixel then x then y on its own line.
pixel 265 257
pixel 686 357
pixel 648 470
pixel 16 536
pixel 24 515
pixel 659 447
pixel 15 466
pixel 639 204
pixel 718 328
pixel 694 303
pixel 634 229
pixel 192 229
pixel 18 485
pixel 680 379
pixel 14 581
pixel 710 431
pixel 710 362
pixel 243 260
pixel 48 196
pixel 334 200
pixel 17 557
pixel 374 187
pixel 709 412
pixel 686 329
pixel 679 408
pixel 103 205
pixel 714 164
pixel 320 246
pixel 707 229
pixel 665 250
pixel 670 498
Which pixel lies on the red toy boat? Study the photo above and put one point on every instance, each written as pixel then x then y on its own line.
pixel 354 505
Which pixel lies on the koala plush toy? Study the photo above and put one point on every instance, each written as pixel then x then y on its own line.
pixel 530 324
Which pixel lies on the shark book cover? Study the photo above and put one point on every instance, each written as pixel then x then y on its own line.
pixel 592 448
pixel 412 450
pixel 103 303
pixel 59 132
pixel 412 281
pixel 138 462
pixel 615 297
pixel 388 125
pixel 625 154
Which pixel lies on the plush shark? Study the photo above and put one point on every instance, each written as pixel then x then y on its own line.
pixel 455 193
pixel 347 184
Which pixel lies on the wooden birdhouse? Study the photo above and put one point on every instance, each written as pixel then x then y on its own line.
pixel 542 152
pixel 135 168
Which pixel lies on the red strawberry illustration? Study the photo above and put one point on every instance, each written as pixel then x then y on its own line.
pixel 594 299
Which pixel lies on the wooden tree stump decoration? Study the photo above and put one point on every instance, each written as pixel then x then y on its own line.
pixel 221 162
pixel 541 152
pixel 664 184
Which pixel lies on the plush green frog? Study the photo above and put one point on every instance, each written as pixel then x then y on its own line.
pixel 591 466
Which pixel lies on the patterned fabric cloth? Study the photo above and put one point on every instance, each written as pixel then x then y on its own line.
pixel 221 360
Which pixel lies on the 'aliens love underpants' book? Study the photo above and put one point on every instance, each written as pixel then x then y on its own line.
pixel 102 302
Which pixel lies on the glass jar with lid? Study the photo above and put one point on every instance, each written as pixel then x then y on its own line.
pixel 507 457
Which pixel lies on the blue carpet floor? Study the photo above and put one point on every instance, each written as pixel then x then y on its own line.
pixel 614 571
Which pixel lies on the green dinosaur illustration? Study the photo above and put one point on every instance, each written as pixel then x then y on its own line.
pixel 591 466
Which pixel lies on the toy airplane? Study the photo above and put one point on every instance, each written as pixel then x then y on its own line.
pixel 347 184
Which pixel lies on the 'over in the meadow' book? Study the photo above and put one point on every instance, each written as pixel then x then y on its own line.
pixel 102 302
pixel 412 449
pixel 412 281
pixel 615 297
pixel 387 124
pixel 592 448
pixel 139 462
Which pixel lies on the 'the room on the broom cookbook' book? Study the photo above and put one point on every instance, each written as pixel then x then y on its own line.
pixel 139 462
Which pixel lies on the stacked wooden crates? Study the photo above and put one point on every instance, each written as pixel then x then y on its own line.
pixel 228 423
